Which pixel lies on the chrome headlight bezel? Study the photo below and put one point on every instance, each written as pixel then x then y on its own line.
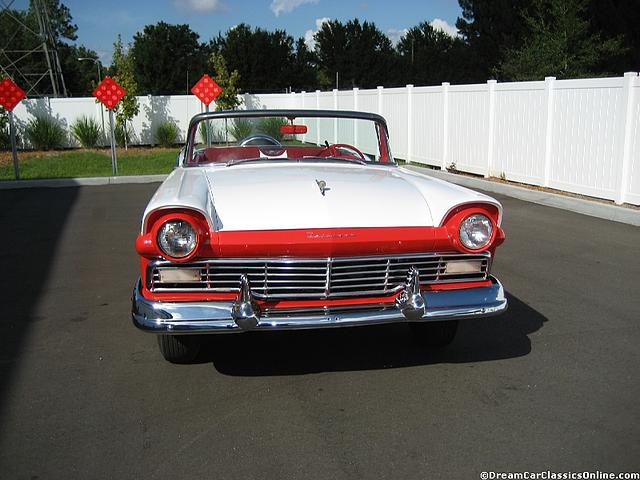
pixel 177 238
pixel 475 231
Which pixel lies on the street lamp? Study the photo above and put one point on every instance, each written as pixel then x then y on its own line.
pixel 95 60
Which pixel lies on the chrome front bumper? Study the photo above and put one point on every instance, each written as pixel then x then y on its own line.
pixel 180 318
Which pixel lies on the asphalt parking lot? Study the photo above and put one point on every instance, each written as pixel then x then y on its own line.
pixel 551 385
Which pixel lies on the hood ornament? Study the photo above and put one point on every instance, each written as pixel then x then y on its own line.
pixel 322 185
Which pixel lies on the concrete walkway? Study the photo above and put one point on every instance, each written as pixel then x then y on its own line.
pixel 586 207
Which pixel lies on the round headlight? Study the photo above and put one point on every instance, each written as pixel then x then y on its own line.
pixel 475 231
pixel 177 238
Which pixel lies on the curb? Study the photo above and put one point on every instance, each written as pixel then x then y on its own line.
pixel 578 205
pixel 80 182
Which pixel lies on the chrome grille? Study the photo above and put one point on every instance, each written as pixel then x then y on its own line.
pixel 318 278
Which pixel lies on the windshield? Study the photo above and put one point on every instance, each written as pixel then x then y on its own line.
pixel 233 138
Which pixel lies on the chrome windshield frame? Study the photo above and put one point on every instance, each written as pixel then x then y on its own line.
pixel 227 114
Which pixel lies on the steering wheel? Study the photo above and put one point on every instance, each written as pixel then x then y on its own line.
pixel 340 149
pixel 246 141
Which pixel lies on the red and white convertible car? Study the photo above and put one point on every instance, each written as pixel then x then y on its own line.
pixel 301 219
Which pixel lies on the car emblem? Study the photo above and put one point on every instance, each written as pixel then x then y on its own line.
pixel 322 185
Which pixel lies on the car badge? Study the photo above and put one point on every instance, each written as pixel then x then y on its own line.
pixel 322 185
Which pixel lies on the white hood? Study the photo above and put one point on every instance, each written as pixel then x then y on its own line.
pixel 274 196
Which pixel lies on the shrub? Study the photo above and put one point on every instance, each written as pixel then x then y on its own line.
pixel 87 131
pixel 217 134
pixel 5 140
pixel 45 133
pixel 203 128
pixel 241 128
pixel 271 126
pixel 167 134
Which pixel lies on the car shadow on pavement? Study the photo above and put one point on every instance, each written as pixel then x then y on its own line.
pixel 370 348
pixel 32 222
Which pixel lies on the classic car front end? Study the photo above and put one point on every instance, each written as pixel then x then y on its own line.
pixel 265 225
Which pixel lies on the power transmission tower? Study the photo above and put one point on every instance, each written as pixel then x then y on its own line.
pixel 25 64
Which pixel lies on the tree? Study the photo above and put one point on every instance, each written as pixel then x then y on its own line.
pixel 81 77
pixel 166 56
pixel 122 70
pixel 489 28
pixel 559 43
pixel 430 56
pixel 228 99
pixel 59 19
pixel 305 74
pixel 262 58
pixel 618 18
pixel 360 53
pixel 20 28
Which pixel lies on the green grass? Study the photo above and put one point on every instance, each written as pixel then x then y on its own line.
pixel 88 163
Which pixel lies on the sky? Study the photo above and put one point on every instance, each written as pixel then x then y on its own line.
pixel 100 22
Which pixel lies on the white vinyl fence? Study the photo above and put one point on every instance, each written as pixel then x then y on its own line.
pixel 580 136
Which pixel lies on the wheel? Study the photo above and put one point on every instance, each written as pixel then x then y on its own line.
pixel 434 334
pixel 178 349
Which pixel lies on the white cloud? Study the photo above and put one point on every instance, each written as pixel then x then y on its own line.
pixel 201 6
pixel 442 25
pixel 286 6
pixel 308 35
pixel 395 35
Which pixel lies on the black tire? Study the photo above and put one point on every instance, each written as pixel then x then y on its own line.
pixel 179 349
pixel 434 334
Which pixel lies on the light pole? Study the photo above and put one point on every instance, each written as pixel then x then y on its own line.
pixel 95 60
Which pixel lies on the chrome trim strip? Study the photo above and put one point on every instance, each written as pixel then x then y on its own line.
pixel 322 260
pixel 320 277
pixel 182 318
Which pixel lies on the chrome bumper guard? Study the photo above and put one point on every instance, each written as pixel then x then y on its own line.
pixel 180 318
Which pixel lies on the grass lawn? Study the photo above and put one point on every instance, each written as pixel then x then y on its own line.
pixel 88 163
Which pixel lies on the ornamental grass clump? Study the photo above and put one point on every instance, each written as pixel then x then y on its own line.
pixel 241 128
pixel 123 134
pixel 271 126
pixel 87 131
pixel 45 133
pixel 167 134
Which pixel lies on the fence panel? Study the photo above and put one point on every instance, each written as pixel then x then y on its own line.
pixel 394 110
pixel 520 132
pixel 427 124
pixel 633 187
pixel 587 141
pixel 582 136
pixel 468 127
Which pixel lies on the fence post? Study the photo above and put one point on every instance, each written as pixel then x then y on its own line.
pixel 491 130
pixel 445 124
pixel 409 123
pixel 549 83
pixel 355 123
pixel 335 120
pixel 627 95
pixel 303 94
pixel 318 119
pixel 380 92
